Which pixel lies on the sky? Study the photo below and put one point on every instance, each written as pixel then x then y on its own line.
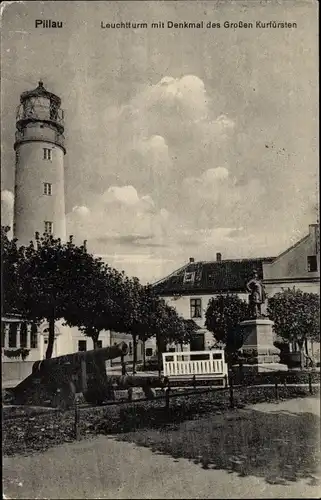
pixel 181 142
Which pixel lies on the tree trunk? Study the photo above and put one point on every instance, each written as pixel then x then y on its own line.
pixel 95 336
pixel 134 352
pixel 159 353
pixel 123 365
pixel 301 348
pixel 182 348
pixel 51 337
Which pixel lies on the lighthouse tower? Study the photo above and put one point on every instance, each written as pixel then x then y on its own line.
pixel 39 175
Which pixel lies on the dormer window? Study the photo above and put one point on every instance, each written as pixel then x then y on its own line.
pixel 189 277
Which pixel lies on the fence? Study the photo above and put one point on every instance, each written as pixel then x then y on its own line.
pixel 42 427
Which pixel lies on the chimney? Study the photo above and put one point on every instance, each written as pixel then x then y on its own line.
pixel 191 259
pixel 218 257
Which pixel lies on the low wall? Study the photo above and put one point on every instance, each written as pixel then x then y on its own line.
pixel 16 370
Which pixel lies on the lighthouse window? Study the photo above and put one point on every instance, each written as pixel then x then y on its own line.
pixel 47 188
pixel 47 154
pixel 48 227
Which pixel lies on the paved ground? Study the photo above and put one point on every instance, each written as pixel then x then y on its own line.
pixel 105 468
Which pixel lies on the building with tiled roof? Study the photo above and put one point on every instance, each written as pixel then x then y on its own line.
pixel 190 287
pixel 214 277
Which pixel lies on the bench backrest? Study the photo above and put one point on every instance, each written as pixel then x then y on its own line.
pixel 195 363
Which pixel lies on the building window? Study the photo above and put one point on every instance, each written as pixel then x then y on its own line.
pixel 13 335
pixel 99 344
pixel 312 263
pixel 82 345
pixel 23 335
pixel 34 337
pixel 3 333
pixel 196 308
pixel 48 227
pixel 47 154
pixel 149 351
pixel 47 188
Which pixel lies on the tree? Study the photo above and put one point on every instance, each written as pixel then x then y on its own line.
pixel 190 328
pixel 134 313
pixel 161 320
pixel 53 275
pixel 296 316
pixel 98 304
pixel 223 317
pixel 177 330
pixel 10 258
pixel 166 325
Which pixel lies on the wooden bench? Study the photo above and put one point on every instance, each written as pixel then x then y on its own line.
pixel 196 366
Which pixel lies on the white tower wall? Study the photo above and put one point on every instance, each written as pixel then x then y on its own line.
pixel 32 206
pixel 39 174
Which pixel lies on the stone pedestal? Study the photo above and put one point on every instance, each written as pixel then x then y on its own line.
pixel 258 349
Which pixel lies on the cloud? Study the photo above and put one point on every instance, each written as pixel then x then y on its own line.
pixel 82 210
pixel 7 204
pixel 214 174
pixel 126 195
pixel 186 96
pixel 148 267
pixel 7 197
pixel 161 134
pixel 208 180
pixel 120 216
pixel 217 199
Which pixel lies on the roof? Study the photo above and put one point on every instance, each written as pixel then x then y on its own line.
pixel 211 277
pixel 305 238
pixel 40 91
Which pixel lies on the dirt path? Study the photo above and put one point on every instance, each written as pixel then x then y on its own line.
pixel 105 468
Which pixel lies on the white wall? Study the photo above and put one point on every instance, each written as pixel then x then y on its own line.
pixel 182 306
pixel 32 206
pixel 308 287
pixel 67 341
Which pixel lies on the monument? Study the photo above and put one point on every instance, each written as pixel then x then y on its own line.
pixel 259 352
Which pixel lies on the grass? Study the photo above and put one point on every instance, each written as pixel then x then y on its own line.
pixel 32 432
pixel 289 377
pixel 279 447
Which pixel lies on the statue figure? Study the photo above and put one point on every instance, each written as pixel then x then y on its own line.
pixel 257 295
